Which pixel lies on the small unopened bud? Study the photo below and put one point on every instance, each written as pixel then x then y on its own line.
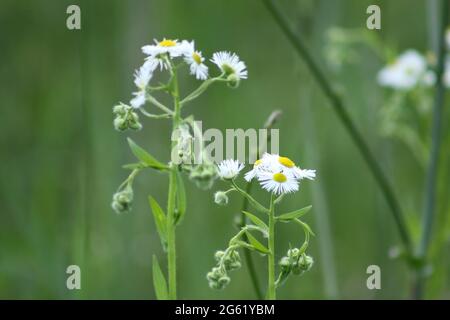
pixel 221 198
pixel 122 200
pixel 233 81
pixel 126 118
pixel 219 255
pixel 285 264
pixel 305 262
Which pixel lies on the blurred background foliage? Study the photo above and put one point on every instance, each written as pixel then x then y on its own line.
pixel 61 158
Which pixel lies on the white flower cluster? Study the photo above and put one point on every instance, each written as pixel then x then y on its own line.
pixel 412 69
pixel 275 173
pixel 162 52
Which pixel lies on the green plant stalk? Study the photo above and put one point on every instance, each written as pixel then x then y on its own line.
pixel 430 193
pixel 171 239
pixel 348 123
pixel 271 293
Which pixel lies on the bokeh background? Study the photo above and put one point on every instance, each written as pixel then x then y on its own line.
pixel 61 158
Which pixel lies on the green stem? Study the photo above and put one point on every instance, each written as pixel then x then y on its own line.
pixel 346 120
pixel 271 294
pixel 430 194
pixel 171 243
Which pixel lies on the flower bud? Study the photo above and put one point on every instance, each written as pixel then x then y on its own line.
pixel 203 175
pixel 233 81
pixel 293 253
pixel 219 255
pixel 122 200
pixel 285 264
pixel 221 198
pixel 305 262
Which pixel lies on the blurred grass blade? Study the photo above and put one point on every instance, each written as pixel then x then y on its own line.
pixel 159 281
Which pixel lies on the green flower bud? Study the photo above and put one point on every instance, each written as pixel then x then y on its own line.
pixel 305 262
pixel 122 200
pixel 120 124
pixel 224 281
pixel 285 264
pixel 203 175
pixel 221 198
pixel 219 255
pixel 293 253
pixel 233 81
pixel 120 109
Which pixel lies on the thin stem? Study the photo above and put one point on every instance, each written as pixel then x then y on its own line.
pixel 154 116
pixel 171 240
pixel 197 92
pixel 430 193
pixel 158 104
pixel 271 294
pixel 346 120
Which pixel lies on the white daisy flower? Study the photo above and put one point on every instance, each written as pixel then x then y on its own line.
pixel 195 61
pixel 407 71
pixel 278 182
pixel 172 47
pixel 229 169
pixel 273 163
pixel 229 63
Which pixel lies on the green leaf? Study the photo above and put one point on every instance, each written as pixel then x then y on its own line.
pixel 133 166
pixel 145 157
pixel 256 244
pixel 160 219
pixel 256 221
pixel 159 282
pixel 180 209
pixel 294 214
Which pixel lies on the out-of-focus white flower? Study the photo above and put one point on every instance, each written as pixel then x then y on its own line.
pixel 278 182
pixel 142 78
pixel 407 71
pixel 230 64
pixel 195 60
pixel 229 169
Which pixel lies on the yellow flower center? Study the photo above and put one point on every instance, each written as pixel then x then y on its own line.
pixel 286 162
pixel 257 162
pixel 168 43
pixel 279 177
pixel 197 58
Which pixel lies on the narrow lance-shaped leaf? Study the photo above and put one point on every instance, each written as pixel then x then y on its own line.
pixel 256 221
pixel 145 157
pixel 160 220
pixel 256 244
pixel 294 214
pixel 159 281
pixel 181 199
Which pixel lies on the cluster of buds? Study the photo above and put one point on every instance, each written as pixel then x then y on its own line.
pixel 125 118
pixel 122 200
pixel 227 261
pixel 296 262
pixel 203 175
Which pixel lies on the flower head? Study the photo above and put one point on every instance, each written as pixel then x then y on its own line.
pixel 278 182
pixel 229 169
pixel 407 71
pixel 230 64
pixel 195 61
pixel 173 48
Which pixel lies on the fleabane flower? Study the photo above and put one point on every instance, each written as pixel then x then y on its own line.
pixel 278 182
pixel 173 48
pixel 142 78
pixel 195 61
pixel 274 163
pixel 229 169
pixel 156 53
pixel 230 64
pixel 406 72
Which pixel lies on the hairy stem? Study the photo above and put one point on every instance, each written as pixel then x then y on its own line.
pixel 346 120
pixel 430 193
pixel 271 294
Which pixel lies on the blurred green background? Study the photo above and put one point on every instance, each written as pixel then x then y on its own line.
pixel 61 158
